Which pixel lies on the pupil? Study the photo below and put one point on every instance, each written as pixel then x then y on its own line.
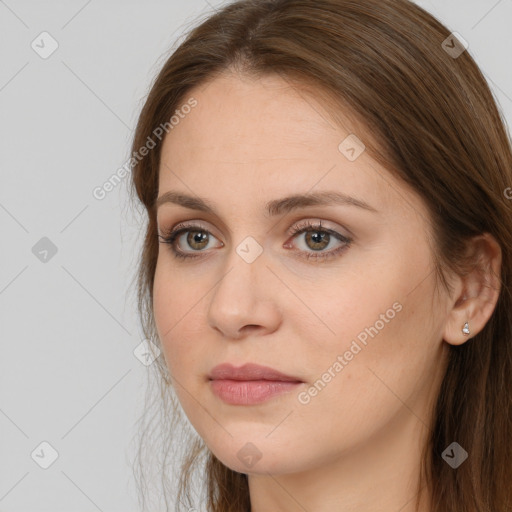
pixel 316 238
pixel 196 238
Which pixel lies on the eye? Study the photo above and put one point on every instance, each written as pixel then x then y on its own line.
pixel 195 237
pixel 317 239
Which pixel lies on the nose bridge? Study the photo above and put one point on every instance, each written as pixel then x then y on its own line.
pixel 240 297
pixel 245 261
pixel 240 279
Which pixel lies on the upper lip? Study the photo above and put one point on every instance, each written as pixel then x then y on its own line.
pixel 249 371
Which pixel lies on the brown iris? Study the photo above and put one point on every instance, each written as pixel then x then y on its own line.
pixel 318 239
pixel 197 237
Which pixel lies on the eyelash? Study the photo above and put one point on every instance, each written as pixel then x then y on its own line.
pixel 171 236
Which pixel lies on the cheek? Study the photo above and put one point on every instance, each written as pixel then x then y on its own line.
pixel 378 335
pixel 175 308
pixel 377 318
pixel 382 360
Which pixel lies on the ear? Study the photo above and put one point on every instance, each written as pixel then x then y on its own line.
pixel 476 293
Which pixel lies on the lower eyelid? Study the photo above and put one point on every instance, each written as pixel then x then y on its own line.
pixel 182 232
pixel 181 228
pixel 324 255
pixel 177 233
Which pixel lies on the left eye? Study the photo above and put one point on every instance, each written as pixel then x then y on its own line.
pixel 317 239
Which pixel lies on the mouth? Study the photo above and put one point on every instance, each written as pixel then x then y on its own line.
pixel 249 372
pixel 249 384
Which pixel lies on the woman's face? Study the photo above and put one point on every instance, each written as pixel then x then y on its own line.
pixel 347 309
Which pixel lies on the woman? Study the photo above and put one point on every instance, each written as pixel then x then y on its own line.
pixel 327 261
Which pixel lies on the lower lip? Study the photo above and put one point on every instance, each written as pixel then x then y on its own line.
pixel 249 392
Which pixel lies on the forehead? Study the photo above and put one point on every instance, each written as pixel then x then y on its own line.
pixel 263 118
pixel 265 137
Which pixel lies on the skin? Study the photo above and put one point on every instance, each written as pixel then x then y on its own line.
pixel 356 445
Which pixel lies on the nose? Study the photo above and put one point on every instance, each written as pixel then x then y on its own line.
pixel 242 302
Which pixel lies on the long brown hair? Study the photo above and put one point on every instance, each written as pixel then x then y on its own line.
pixel 434 124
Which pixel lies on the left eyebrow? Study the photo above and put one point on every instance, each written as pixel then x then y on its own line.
pixel 325 198
pixel 274 207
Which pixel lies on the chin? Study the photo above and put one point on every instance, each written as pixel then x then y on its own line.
pixel 257 457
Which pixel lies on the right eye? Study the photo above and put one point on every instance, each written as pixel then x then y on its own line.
pixel 195 237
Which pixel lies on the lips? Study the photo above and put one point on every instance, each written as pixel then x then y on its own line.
pixel 249 372
pixel 250 384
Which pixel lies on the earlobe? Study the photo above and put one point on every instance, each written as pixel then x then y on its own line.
pixel 478 292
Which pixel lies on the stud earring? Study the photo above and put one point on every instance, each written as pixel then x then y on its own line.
pixel 465 329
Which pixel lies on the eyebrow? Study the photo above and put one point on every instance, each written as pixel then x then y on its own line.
pixel 274 207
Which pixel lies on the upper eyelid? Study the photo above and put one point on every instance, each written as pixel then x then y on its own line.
pixel 189 225
pixel 296 229
pixel 202 224
pixel 173 235
pixel 313 223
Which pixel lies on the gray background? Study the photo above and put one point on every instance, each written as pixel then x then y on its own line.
pixel 68 374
